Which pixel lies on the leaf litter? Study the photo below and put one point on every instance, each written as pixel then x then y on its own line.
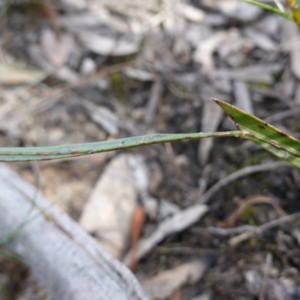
pixel 184 53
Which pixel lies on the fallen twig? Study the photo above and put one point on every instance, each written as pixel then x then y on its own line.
pixel 260 229
pixel 68 261
pixel 240 173
pixel 245 203
pixel 224 231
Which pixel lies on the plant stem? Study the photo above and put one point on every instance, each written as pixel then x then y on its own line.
pixel 271 9
pixel 65 151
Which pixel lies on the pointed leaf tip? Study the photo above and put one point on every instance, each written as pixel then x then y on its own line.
pixel 220 102
pixel 267 136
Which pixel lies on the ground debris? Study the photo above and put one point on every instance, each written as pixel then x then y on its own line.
pixel 100 70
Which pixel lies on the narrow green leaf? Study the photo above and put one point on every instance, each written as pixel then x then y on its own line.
pixel 13 234
pixel 67 151
pixel 271 9
pixel 267 136
pixel 20 226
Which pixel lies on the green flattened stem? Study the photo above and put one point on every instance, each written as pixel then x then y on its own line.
pixel 67 151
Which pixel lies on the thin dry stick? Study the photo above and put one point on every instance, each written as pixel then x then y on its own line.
pixel 247 202
pixel 230 231
pixel 240 173
pixel 260 229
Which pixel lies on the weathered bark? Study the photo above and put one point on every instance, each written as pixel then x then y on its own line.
pixel 63 257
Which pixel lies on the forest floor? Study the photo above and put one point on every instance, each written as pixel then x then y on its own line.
pixel 76 72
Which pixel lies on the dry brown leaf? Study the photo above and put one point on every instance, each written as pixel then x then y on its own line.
pixel 83 20
pixel 239 10
pixel 108 213
pixel 14 74
pixel 191 13
pixel 139 74
pixel 242 96
pixel 56 48
pixel 74 5
pixel 103 116
pixel 167 282
pixel 108 45
pixel 261 40
pixel 38 55
pixel 256 73
pixel 293 47
pixel 206 48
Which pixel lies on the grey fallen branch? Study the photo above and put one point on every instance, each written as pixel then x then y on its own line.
pixel 66 260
